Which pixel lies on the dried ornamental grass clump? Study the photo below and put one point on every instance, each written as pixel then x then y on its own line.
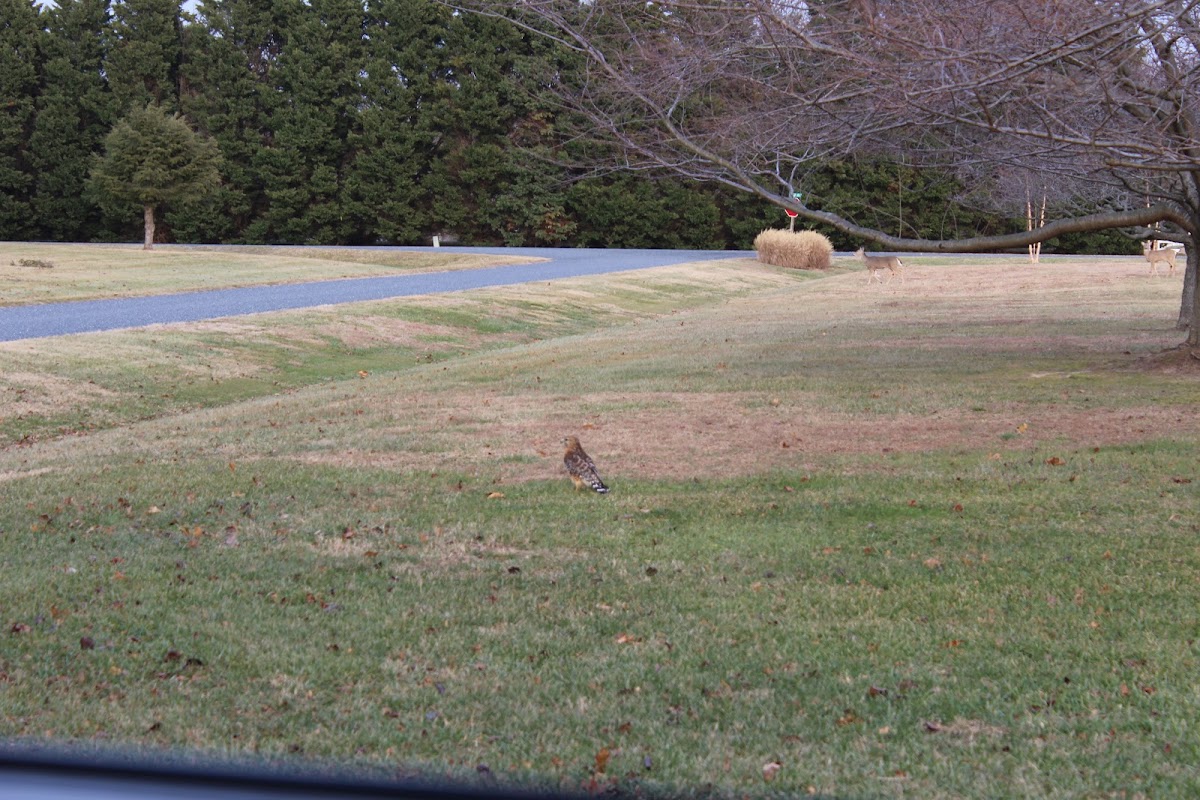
pixel 798 250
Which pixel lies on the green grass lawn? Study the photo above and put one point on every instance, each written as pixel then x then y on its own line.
pixel 936 540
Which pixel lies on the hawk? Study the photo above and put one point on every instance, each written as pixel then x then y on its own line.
pixel 580 466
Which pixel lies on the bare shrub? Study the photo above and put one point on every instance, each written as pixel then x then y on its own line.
pixel 798 250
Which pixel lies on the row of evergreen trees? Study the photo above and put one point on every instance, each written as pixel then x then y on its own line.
pixel 361 122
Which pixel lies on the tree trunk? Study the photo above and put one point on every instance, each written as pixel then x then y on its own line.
pixel 148 244
pixel 1189 309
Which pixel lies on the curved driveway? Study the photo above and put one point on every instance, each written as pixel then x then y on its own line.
pixel 86 316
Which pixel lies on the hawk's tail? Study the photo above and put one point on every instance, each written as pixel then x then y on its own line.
pixel 599 486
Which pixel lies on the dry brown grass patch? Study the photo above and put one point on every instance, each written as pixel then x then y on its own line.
pixel 42 393
pixel 678 436
pixel 12 475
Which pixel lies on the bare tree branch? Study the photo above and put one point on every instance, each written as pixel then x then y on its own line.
pixel 1097 98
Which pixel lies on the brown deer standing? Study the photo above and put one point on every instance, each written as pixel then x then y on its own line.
pixel 875 264
pixel 1166 254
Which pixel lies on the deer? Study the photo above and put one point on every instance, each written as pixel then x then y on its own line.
pixel 877 263
pixel 1166 254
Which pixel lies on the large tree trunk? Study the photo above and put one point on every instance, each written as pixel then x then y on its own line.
pixel 1189 310
pixel 148 244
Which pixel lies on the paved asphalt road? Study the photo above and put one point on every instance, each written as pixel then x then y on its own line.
pixel 56 319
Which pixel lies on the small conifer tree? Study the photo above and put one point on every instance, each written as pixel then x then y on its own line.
pixel 153 158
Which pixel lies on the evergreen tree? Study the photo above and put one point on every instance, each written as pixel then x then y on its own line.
pixel 143 65
pixel 482 184
pixel 153 158
pixel 394 145
pixel 303 168
pixel 637 211
pixel 75 111
pixel 20 34
pixel 231 55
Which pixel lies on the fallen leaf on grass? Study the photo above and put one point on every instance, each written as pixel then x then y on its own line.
pixel 602 759
pixel 19 627
pixel 770 770
pixel 495 495
pixel 848 718
pixel 1055 461
pixel 628 638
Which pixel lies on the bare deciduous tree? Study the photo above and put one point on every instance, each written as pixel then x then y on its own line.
pixel 1096 99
